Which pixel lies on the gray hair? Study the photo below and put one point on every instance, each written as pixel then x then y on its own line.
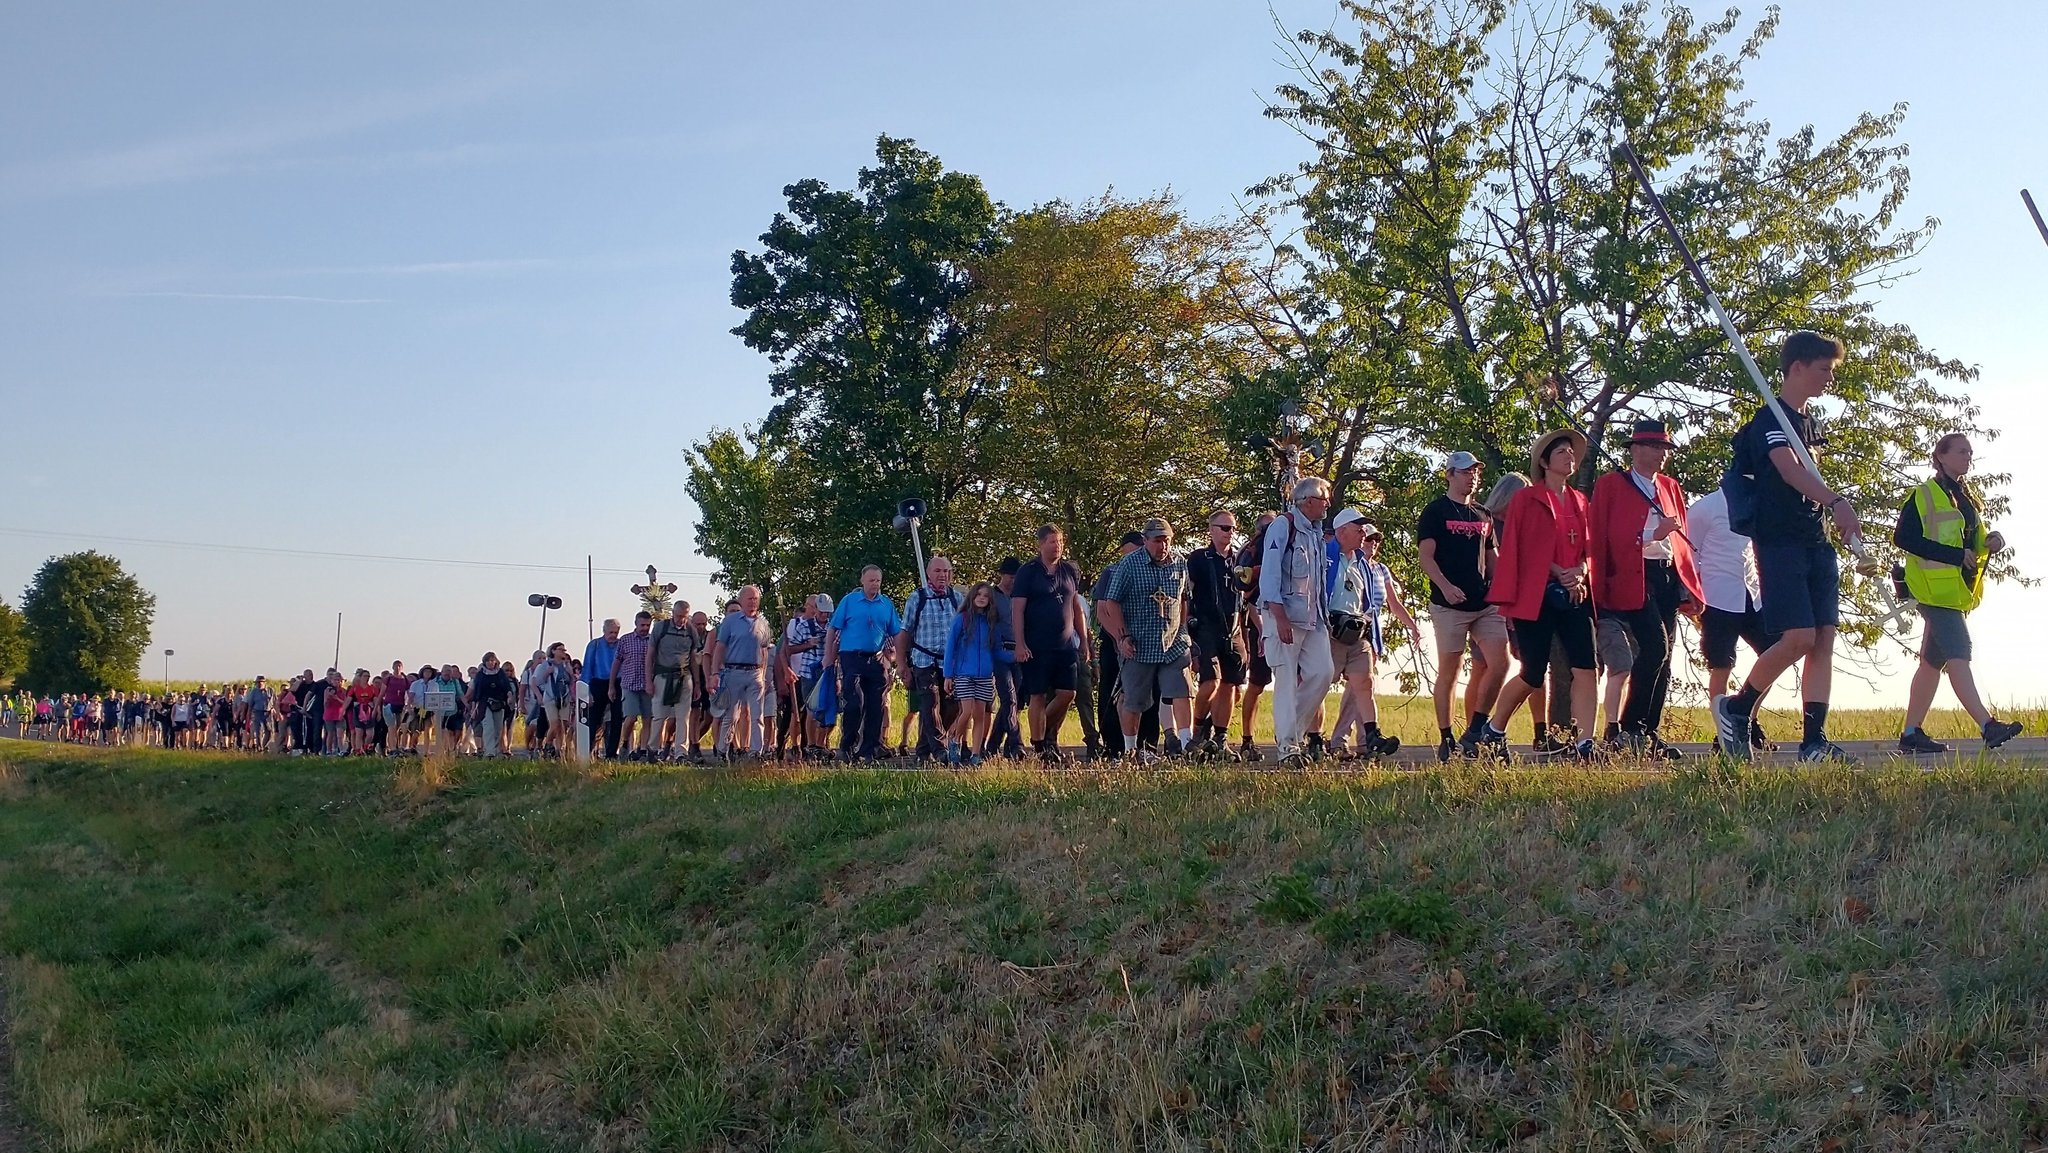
pixel 1307 487
pixel 1504 490
pixel 609 622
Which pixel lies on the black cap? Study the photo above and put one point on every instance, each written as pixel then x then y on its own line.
pixel 1132 538
pixel 1011 566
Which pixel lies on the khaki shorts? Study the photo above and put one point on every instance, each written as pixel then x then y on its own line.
pixel 662 712
pixel 1454 629
pixel 1352 660
pixel 1614 645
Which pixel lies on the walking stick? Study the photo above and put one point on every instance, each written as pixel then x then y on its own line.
pixel 2035 213
pixel 1756 376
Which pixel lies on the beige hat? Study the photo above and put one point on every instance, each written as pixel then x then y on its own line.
pixel 1157 527
pixel 1538 450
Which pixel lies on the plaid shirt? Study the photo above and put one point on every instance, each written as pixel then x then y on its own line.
pixel 630 665
pixel 1153 595
pixel 804 665
pixel 934 623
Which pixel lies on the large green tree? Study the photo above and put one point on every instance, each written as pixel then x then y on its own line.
pixel 13 643
pixel 87 622
pixel 1102 339
pixel 1465 227
pixel 852 297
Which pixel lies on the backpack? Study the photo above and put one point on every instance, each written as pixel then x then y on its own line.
pixel 1739 487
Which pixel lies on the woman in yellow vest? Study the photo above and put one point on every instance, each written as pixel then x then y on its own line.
pixel 1946 550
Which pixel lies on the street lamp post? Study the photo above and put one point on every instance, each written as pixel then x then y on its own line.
pixel 168 654
pixel 543 602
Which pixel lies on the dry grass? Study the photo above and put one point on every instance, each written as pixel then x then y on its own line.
pixel 786 960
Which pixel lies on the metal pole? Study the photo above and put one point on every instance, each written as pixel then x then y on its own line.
pixel 2035 213
pixel 590 596
pixel 1756 375
pixel 337 640
pixel 917 549
pixel 543 627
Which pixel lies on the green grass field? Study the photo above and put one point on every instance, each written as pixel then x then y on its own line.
pixel 225 953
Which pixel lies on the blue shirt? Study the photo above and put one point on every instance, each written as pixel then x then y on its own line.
pixel 865 625
pixel 597 660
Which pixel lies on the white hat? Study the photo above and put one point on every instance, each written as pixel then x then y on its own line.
pixel 1348 516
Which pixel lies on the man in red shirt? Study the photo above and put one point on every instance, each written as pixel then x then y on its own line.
pixel 1643 575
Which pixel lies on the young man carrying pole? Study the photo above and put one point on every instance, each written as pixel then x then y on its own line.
pixel 1797 570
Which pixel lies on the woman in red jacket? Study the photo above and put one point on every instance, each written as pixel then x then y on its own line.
pixel 1540 584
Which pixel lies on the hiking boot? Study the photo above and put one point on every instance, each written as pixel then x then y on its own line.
pixel 1918 743
pixel 1382 746
pixel 1249 752
pixel 1655 749
pixel 1446 749
pixel 1586 750
pixel 1997 732
pixel 1731 731
pixel 1315 748
pixel 1824 752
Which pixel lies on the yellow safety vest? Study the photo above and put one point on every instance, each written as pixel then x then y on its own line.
pixel 1931 582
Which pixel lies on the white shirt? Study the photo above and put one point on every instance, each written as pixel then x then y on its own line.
pixel 1727 566
pixel 1653 549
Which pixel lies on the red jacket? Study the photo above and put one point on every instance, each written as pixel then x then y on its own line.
pixel 1527 545
pixel 1619 511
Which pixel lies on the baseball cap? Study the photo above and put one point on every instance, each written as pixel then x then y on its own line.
pixel 1156 527
pixel 1011 566
pixel 1460 460
pixel 1348 516
pixel 1369 531
pixel 1133 538
pixel 823 601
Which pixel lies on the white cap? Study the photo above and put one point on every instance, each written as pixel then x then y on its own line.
pixel 1348 516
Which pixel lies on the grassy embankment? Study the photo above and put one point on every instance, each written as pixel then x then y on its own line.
pixel 226 953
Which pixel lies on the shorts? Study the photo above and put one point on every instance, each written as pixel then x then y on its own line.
pixel 635 703
pixel 981 689
pixel 1946 637
pixel 558 713
pixel 1572 627
pixel 1049 671
pixel 1614 645
pixel 452 722
pixel 1352 660
pixel 1146 684
pixel 1261 672
pixel 1456 629
pixel 1218 655
pixel 663 683
pixel 1720 629
pixel 1801 584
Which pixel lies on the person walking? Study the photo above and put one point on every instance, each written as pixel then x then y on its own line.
pixel 599 656
pixel 1144 609
pixel 1732 614
pixel 672 647
pixel 1797 569
pixel 1541 585
pixel 739 667
pixel 1457 546
pixel 861 626
pixel 1941 530
pixel 1644 576
pixel 1216 614
pixel 1292 571
pixel 1360 592
pixel 1050 627
pixel 973 650
pixel 920 654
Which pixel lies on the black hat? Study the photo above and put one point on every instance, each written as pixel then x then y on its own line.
pixel 1651 432
pixel 1133 538
pixel 1010 566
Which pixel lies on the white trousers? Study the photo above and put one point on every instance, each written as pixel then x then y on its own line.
pixel 1302 673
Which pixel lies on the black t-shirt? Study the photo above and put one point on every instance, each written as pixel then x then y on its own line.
pixel 1048 603
pixel 313 698
pixel 1461 532
pixel 1215 592
pixel 1783 514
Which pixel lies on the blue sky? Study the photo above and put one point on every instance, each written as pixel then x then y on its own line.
pixel 449 281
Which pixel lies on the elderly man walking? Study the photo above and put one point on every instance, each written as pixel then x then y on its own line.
pixel 861 626
pixel 928 617
pixel 1144 609
pixel 737 660
pixel 1294 605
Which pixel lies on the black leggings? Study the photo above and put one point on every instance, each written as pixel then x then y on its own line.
pixel 1572 626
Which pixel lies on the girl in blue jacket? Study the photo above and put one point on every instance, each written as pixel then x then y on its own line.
pixel 970 668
